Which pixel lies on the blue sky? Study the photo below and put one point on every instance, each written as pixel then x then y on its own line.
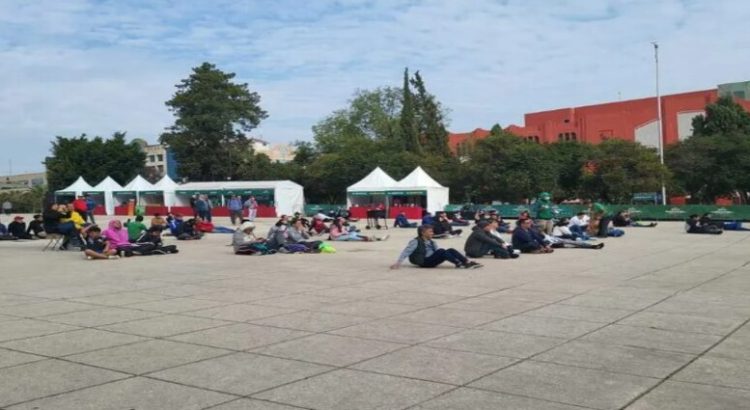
pixel 97 66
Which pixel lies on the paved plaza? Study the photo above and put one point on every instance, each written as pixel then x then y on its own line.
pixel 656 320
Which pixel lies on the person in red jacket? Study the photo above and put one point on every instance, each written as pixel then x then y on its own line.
pixel 81 206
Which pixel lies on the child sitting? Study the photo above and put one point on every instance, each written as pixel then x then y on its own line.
pixel 96 247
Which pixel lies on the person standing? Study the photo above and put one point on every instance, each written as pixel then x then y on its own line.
pixel 544 212
pixel 252 208
pixel 235 209
pixel 201 207
pixel 90 207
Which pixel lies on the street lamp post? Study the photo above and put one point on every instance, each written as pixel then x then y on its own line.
pixel 660 123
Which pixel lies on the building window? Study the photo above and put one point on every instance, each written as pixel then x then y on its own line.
pixel 160 168
pixel 566 121
pixel 573 136
pixel 560 137
pixel 536 139
pixel 151 158
pixel 160 157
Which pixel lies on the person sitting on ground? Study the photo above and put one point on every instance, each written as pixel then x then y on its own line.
pixel 442 227
pixel 95 246
pixel 481 242
pixel 692 225
pixel 527 241
pixel 318 226
pixel 36 227
pixel 184 230
pixel 17 228
pixel 204 225
pixel 158 221
pixel 135 228
pixel 153 236
pixel 562 237
pixel 579 224
pixel 244 241
pixel 456 220
pixel 562 230
pixel 495 232
pixel 340 232
pixel 502 226
pixel 117 237
pixel 423 252
pixel 622 219
pixel 297 235
pixel 305 221
pixel 402 222
pixel 427 218
pixel 4 235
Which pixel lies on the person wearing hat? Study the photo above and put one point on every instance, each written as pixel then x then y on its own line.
pixel 544 212
pixel 481 242
pixel 17 228
pixel 36 227
pixel 244 241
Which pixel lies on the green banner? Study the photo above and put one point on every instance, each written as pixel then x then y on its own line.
pixel 254 192
pixel 406 193
pixel 312 209
pixel 371 193
pixel 124 192
pixel 194 192
pixel 638 212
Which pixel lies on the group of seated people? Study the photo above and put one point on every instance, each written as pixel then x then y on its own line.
pixel 285 236
pixel 17 229
pixel 114 242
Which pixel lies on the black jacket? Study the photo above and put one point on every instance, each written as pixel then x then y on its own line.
pixel 525 240
pixel 17 229
pixel 478 239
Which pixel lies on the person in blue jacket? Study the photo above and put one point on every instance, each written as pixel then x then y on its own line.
pixel 528 240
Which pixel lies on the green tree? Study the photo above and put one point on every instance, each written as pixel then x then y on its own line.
pixel 506 168
pixel 722 118
pixel 571 158
pixel 622 168
pixel 409 126
pixel 212 116
pixel 430 119
pixel 93 159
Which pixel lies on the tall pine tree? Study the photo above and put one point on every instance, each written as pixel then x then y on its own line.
pixel 430 119
pixel 409 129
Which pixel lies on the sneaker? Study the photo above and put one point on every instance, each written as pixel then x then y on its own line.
pixel 158 252
pixel 89 258
pixel 128 253
pixel 515 255
pixel 472 265
pixel 384 238
pixel 599 246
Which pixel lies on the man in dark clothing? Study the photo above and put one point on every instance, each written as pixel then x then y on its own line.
pixel 153 236
pixel 443 228
pixel 423 252
pixel 527 240
pixel 692 225
pixel 36 227
pixel 17 228
pixel 481 242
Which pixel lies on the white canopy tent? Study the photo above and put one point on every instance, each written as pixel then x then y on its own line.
pixel 376 183
pixel 75 189
pixel 168 188
pixel 418 182
pixel 107 187
pixel 287 197
pixel 140 189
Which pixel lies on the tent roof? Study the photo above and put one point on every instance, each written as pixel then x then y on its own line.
pixel 377 179
pixel 79 185
pixel 166 184
pixel 107 184
pixel 418 179
pixel 138 184
pixel 229 185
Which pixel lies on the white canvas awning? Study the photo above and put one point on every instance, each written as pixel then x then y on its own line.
pixel 108 187
pixel 288 197
pixel 420 181
pixel 168 187
pixel 376 181
pixel 76 188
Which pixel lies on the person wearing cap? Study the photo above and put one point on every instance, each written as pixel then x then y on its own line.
pixel 244 241
pixel 17 228
pixel 544 212
pixel 36 227
pixel 481 242
pixel 423 252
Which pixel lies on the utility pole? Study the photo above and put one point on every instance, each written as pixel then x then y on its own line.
pixel 660 122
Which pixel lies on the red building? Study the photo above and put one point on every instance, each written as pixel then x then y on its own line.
pixel 633 120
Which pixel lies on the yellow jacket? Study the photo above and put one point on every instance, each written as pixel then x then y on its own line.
pixel 76 218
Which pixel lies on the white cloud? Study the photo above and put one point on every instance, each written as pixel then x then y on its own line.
pixel 100 66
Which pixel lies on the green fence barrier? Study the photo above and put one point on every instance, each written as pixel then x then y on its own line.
pixel 639 212
pixel 312 209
